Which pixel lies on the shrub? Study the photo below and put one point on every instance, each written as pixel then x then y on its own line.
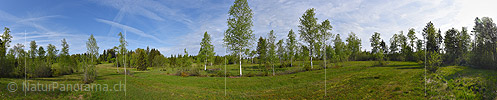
pixel 433 61
pixel 90 74
pixel 184 74
pixel 307 68
pixel 194 72
pixel 250 74
pixel 221 74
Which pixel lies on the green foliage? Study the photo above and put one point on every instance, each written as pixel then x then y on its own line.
pixel 399 41
pixel 262 50
pixel 122 57
pixel 206 52
pixel 33 51
pixel 271 54
pixel 380 57
pixel 5 42
pixel 375 42
pixel 291 46
pixel 456 46
pixel 433 61
pixel 378 50
pixel 51 53
pixel 36 65
pixel 239 34
pixel 340 49
pixel 90 73
pixel 281 51
pixel 140 59
pixel 66 65
pixel 434 39
pixel 353 46
pixel 6 63
pixel 309 31
pixel 484 53
pixel 458 82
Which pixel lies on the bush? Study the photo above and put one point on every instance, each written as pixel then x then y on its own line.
pixel 90 74
pixel 433 61
pixel 220 73
pixel 250 74
pixel 194 72
pixel 184 74
pixel 307 68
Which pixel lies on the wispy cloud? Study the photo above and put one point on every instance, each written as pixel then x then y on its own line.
pixel 365 17
pixel 130 29
pixel 150 9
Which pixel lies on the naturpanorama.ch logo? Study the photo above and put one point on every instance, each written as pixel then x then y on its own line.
pixel 54 86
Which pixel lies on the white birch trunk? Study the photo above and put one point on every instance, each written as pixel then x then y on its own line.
pixel 240 63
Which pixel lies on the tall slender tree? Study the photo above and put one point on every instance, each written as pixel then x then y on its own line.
pixel 353 46
pixel 64 59
pixel 340 49
pixel 239 34
pixel 451 42
pixel 92 51
pixel 309 29
pixel 206 52
pixel 281 51
pixel 325 32
pixel 375 42
pixel 122 51
pixel 33 52
pixel 291 45
pixel 5 41
pixel 261 50
pixel 485 53
pixel 271 56
pixel 433 45
pixel 51 54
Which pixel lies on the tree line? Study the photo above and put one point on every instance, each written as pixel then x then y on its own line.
pixel 315 42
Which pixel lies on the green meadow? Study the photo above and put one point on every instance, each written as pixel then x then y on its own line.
pixel 352 80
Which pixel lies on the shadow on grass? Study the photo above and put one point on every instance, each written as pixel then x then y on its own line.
pixel 473 81
pixel 57 79
pixel 417 67
pixel 400 65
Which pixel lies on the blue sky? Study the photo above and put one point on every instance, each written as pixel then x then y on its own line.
pixel 172 25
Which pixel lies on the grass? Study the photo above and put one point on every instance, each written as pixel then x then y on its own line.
pixel 354 80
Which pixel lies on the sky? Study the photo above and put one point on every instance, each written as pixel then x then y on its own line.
pixel 174 25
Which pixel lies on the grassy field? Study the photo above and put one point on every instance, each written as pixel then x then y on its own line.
pixel 354 80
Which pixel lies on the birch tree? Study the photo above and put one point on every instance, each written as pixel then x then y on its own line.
pixel 291 45
pixel 206 51
pixel 92 50
pixel 309 30
pixel 239 34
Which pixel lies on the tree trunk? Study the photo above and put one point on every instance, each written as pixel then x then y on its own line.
pixel 291 61
pixel 205 65
pixel 273 69
pixel 240 54
pixel 310 51
pixel 311 63
pixel 325 57
pixel 117 65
